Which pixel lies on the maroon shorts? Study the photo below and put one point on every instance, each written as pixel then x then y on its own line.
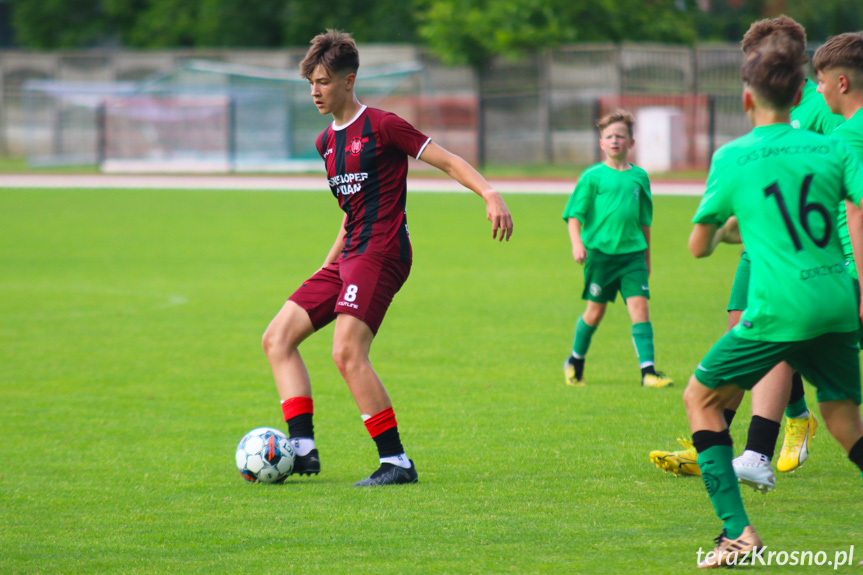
pixel 362 286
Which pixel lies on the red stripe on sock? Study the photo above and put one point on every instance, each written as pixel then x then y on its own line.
pixel 380 422
pixel 297 406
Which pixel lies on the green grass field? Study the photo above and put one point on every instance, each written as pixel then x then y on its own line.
pixel 130 366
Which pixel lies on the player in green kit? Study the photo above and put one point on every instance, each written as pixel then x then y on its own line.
pixel 810 113
pixel 609 216
pixel 784 186
pixel 839 65
pixel 781 389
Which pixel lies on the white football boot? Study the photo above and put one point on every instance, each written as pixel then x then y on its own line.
pixel 753 469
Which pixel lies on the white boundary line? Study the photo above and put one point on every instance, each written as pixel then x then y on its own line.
pixel 299 183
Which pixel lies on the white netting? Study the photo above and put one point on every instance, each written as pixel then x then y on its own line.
pixel 208 116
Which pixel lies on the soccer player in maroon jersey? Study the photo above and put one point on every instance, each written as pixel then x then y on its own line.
pixel 366 155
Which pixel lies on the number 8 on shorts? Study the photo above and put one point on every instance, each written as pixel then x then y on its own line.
pixel 351 293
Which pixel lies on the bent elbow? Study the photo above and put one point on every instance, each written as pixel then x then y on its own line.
pixel 698 249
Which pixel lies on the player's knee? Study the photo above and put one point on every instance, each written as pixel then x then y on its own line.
pixel 271 342
pixel 348 355
pixel 343 355
pixel 277 341
pixel 593 315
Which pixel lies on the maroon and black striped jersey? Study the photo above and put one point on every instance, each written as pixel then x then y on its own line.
pixel 367 168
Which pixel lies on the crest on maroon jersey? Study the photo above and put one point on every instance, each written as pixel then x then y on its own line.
pixel 356 146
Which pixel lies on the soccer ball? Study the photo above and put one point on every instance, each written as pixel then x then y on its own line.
pixel 265 455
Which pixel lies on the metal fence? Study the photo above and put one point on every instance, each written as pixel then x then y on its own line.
pixel 540 109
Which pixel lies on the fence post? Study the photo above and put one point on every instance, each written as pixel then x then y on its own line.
pixel 3 125
pixel 545 105
pixel 101 135
pixel 711 128
pixel 480 115
pixel 597 110
pixel 232 134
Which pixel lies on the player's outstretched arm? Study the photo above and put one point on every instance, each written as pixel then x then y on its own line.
pixel 455 167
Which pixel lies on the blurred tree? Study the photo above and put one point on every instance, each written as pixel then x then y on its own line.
pixel 473 31
pixel 59 23
pixel 457 30
pixel 378 21
pixel 50 24
pixel 206 23
pixel 727 20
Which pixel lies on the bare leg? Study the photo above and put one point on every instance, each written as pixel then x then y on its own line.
pixel 843 421
pixel 286 332
pixel 704 406
pixel 352 342
pixel 594 313
pixel 637 308
pixel 770 394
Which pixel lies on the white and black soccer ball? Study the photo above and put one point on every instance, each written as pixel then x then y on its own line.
pixel 265 455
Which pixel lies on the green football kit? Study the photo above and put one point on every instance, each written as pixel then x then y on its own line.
pixel 812 113
pixel 785 187
pixel 852 132
pixel 740 288
pixel 613 206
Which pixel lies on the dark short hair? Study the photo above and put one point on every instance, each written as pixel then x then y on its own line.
pixel 335 50
pixel 774 70
pixel 761 29
pixel 619 115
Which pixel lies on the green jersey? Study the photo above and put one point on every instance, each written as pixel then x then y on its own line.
pixel 813 113
pixel 852 132
pixel 612 206
pixel 784 186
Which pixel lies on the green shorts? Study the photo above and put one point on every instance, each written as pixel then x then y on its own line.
pixel 605 275
pixel 740 288
pixel 829 362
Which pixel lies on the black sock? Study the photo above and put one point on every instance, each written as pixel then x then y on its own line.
pixel 856 454
pixel 648 369
pixel 729 416
pixel 301 426
pixel 763 434
pixel 578 364
pixel 389 443
pixel 796 388
pixel 702 440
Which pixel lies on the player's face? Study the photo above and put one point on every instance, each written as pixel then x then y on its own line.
pixel 829 85
pixel 329 91
pixel 615 141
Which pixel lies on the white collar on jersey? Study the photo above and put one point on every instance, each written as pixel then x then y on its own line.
pixel 354 119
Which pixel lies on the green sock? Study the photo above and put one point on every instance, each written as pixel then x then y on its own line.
pixel 642 336
pixel 583 335
pixel 721 482
pixel 795 409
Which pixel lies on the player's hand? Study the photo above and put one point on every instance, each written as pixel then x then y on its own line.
pixel 730 232
pixel 579 253
pixel 499 216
